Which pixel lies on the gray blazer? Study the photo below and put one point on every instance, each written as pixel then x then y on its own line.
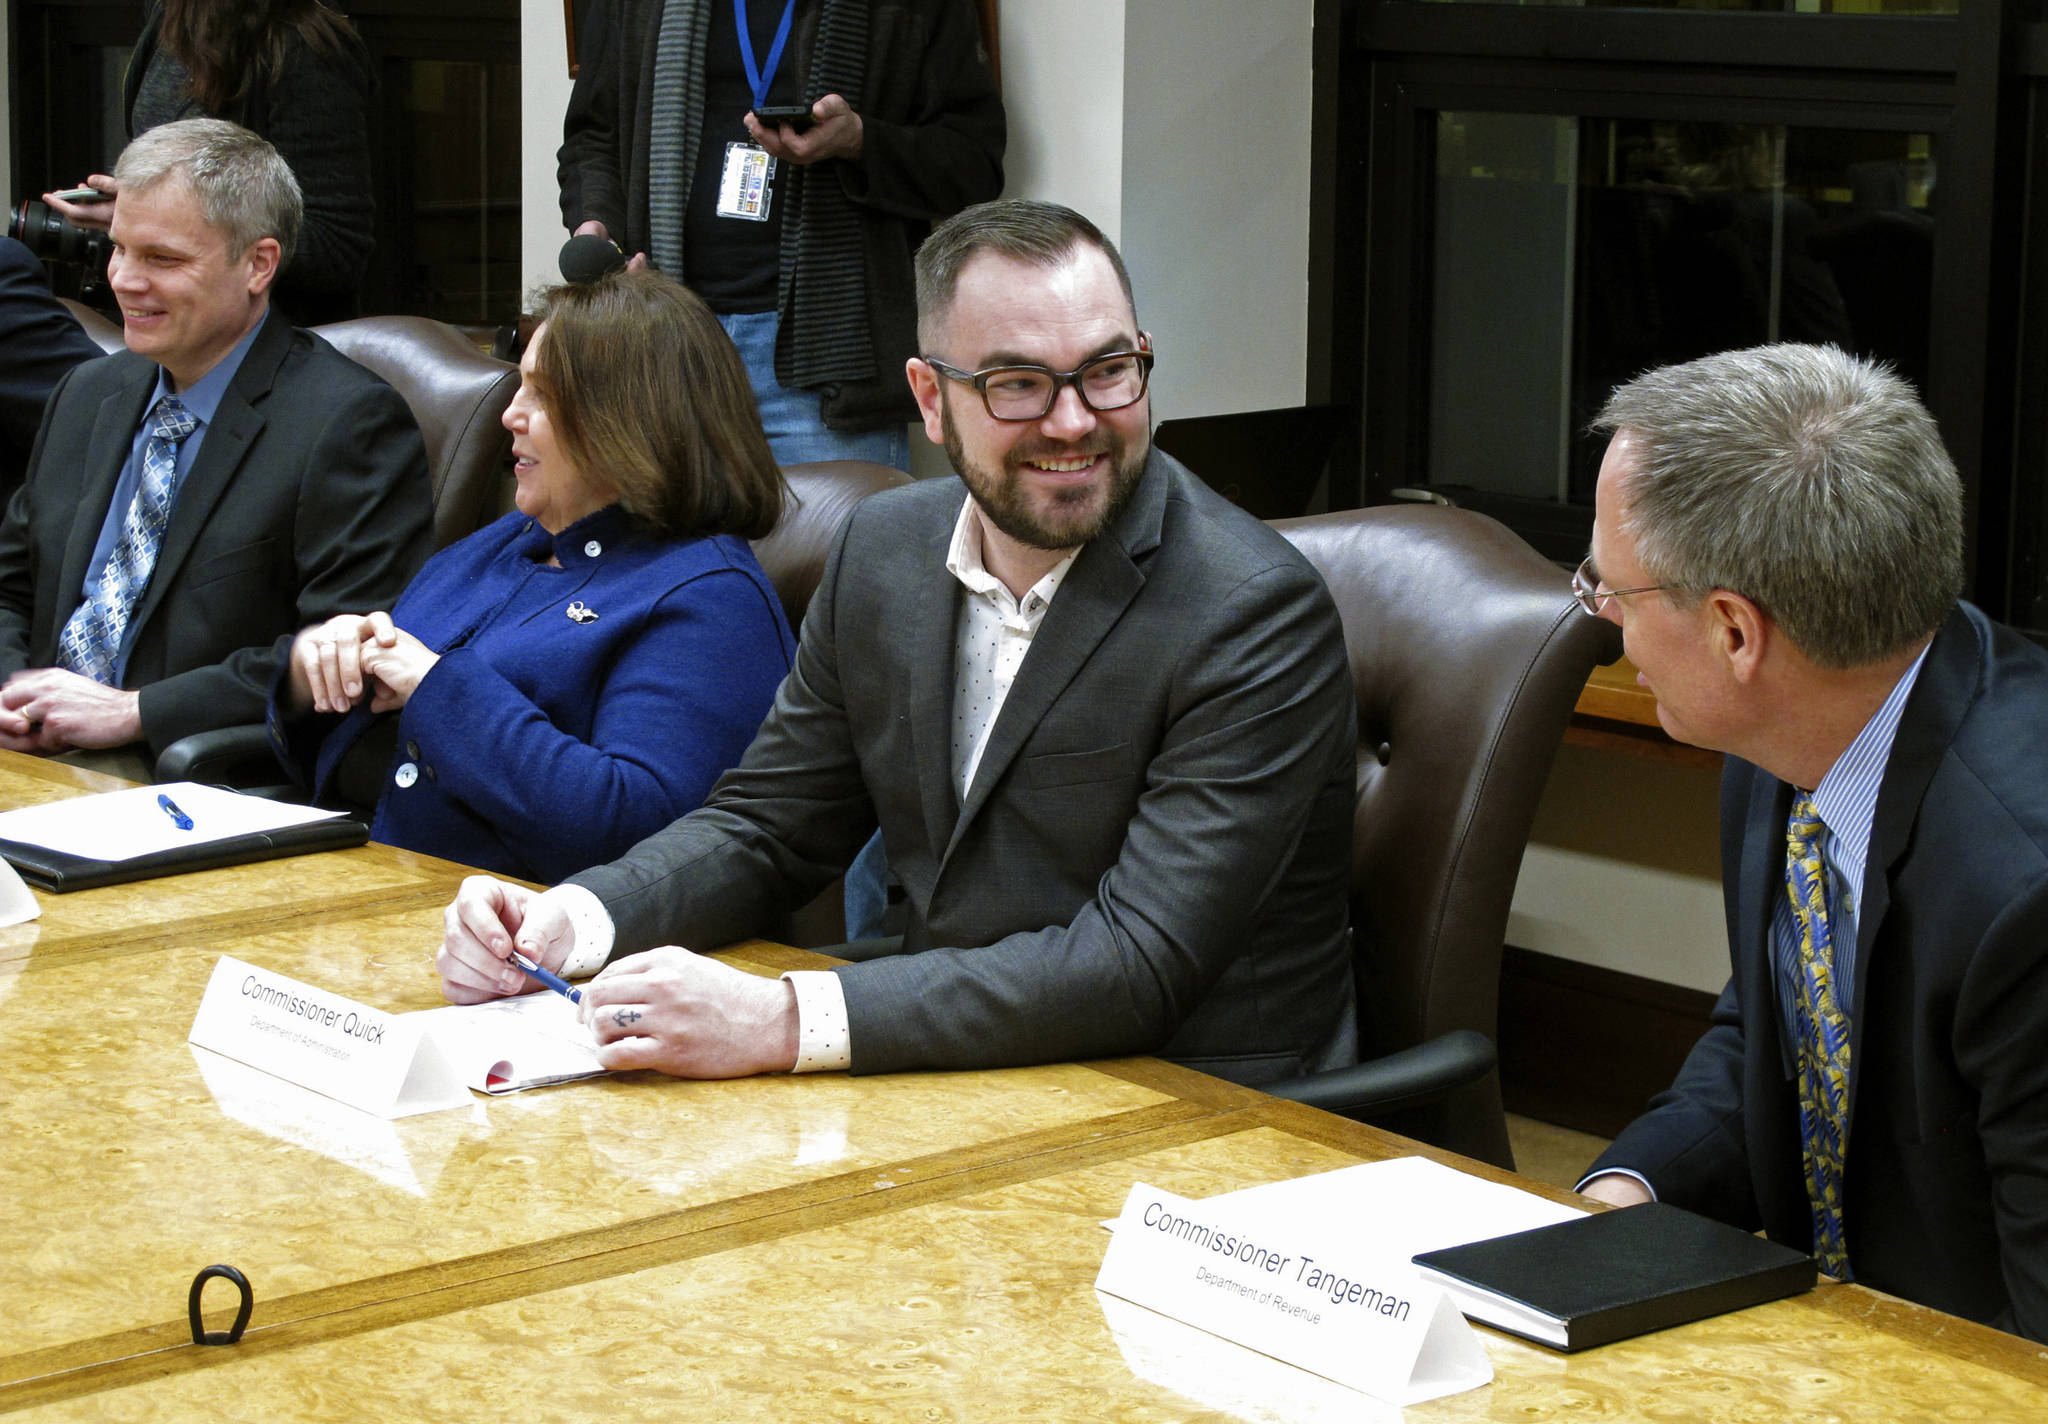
pixel 1153 855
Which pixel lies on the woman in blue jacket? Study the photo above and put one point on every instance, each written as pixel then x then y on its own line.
pixel 577 674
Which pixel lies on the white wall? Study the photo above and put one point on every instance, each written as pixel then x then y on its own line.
pixel 543 95
pixel 7 194
pixel 1179 127
pixel 1215 198
pixel 1063 92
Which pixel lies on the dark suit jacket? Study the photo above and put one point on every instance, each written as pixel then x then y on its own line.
pixel 309 497
pixel 39 342
pixel 1154 853
pixel 1946 1178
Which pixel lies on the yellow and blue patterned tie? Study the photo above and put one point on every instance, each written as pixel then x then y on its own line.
pixel 1823 1039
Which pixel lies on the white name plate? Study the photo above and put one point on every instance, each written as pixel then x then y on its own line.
pixel 1259 1280
pixel 382 1063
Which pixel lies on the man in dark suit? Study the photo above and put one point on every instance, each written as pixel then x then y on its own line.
pixel 1101 716
pixel 1779 533
pixel 195 500
pixel 39 342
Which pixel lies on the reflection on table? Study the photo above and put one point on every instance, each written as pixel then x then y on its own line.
pixel 917 1246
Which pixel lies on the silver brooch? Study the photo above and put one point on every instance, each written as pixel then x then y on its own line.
pixel 580 613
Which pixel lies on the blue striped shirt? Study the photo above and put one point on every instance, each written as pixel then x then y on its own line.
pixel 1846 801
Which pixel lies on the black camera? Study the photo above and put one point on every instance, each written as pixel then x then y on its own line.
pixel 48 236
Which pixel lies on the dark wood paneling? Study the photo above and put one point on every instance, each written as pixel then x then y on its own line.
pixel 1586 1047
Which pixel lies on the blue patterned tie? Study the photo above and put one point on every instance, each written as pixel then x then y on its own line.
pixel 1823 1039
pixel 92 635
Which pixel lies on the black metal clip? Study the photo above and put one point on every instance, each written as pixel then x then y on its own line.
pixel 200 1334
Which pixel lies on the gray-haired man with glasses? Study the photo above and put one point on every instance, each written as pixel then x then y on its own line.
pixel 1779 534
pixel 1101 716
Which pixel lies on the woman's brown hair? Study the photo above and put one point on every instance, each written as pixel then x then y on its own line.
pixel 649 396
pixel 227 45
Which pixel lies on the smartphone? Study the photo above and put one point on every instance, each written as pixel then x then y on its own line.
pixel 795 116
pixel 83 195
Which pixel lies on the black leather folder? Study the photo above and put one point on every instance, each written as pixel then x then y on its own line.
pixel 1612 1274
pixel 61 871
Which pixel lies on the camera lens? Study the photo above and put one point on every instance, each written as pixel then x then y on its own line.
pixel 42 231
pixel 47 235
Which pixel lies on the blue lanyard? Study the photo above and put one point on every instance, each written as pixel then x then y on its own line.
pixel 756 80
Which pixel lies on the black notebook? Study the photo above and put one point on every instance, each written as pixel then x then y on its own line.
pixel 1613 1274
pixel 146 831
pixel 57 871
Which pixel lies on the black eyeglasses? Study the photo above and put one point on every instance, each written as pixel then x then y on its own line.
pixel 1108 382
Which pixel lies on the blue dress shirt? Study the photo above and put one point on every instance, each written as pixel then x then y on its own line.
pixel 1846 802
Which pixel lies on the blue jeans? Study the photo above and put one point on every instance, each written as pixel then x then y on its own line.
pixel 796 432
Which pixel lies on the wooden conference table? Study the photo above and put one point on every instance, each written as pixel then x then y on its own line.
pixel 910 1247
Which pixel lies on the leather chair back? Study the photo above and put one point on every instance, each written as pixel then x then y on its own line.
pixel 1468 653
pixel 457 394
pixel 105 333
pixel 793 556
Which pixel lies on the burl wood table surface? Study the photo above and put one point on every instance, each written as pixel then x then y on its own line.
pixel 918 1246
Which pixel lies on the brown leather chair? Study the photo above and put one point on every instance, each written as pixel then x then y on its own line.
pixel 1468 653
pixel 104 332
pixel 457 394
pixel 793 556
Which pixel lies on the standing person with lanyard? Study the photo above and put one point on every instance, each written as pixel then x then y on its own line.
pixel 784 158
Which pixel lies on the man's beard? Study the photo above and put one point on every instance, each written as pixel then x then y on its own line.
pixel 1075 516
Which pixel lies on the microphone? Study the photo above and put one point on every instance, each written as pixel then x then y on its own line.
pixel 589 257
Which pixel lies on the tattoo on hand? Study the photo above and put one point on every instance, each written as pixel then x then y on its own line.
pixel 622 1017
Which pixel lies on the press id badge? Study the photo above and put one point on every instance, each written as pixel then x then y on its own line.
pixel 747 184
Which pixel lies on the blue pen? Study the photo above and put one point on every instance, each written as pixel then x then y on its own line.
pixel 178 818
pixel 559 985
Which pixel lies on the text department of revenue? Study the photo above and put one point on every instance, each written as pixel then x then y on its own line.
pixel 1340 1290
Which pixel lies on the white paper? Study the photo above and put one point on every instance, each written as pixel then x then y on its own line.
pixel 1271 1281
pixel 1498 1310
pixel 122 825
pixel 1404 1206
pixel 18 903
pixel 509 1044
pixel 1407 1205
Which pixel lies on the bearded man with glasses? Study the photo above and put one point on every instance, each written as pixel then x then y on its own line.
pixel 1102 717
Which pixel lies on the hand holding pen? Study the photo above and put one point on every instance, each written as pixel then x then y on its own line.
pixel 553 981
